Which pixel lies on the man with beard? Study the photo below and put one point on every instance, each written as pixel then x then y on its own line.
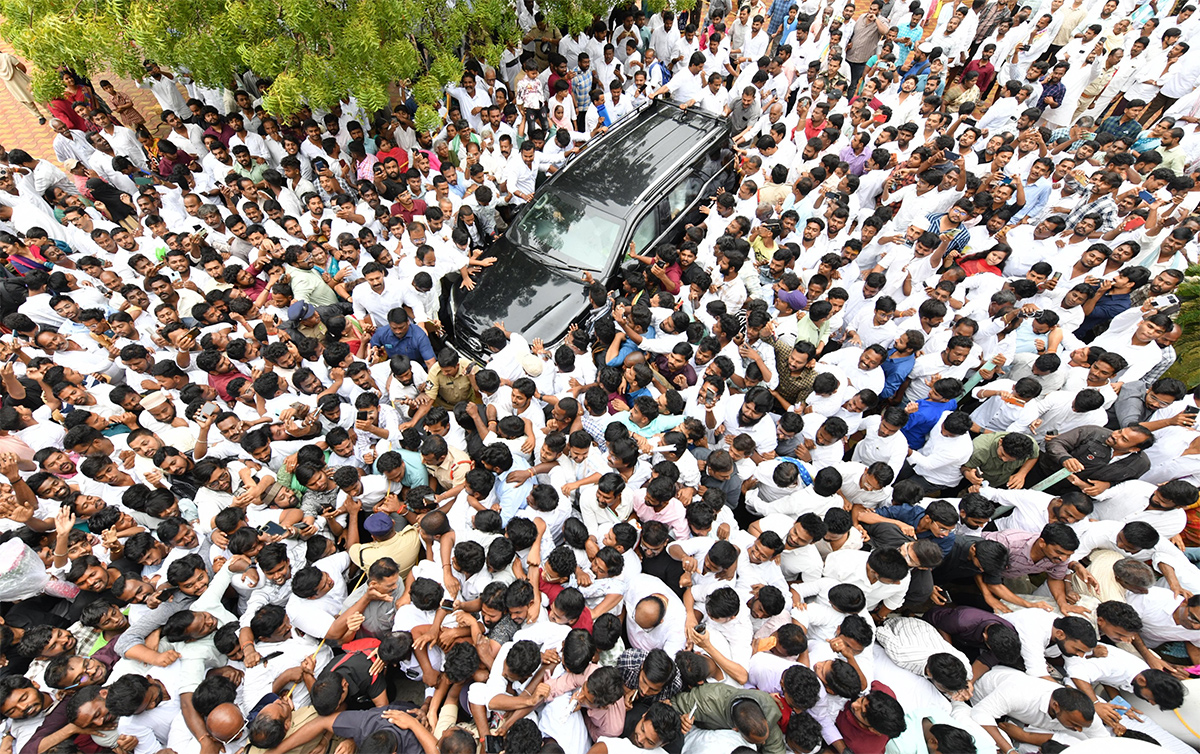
pixel 56 462
pixel 232 430
pixel 69 672
pixel 749 416
pixel 27 707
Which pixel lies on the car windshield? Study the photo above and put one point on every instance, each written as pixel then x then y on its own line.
pixel 557 227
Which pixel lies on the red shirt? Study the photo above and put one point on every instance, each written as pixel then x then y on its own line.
pixel 986 71
pixel 813 130
pixel 224 134
pixel 167 163
pixel 220 382
pixel 785 710
pixel 674 274
pixel 418 208
pixel 585 618
pixel 401 156
pixel 63 110
pixel 857 738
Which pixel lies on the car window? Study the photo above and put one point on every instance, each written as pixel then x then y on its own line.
pixel 645 232
pixel 563 231
pixel 682 196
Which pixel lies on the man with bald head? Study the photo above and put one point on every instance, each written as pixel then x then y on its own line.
pixel 70 144
pixel 227 724
pixel 655 615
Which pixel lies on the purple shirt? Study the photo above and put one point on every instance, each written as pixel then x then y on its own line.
pixel 966 624
pixel 857 162
pixel 1019 563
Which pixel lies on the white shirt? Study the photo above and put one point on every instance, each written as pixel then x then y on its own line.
pixel 1157 609
pixel 940 460
pixel 892 450
pixel 315 616
pixel 1027 700
pixel 1035 627
pixel 1030 512
pixel 1117 669
pixel 850 567
pixel 167 94
pixel 685 86
pixel 669 634
pixel 376 305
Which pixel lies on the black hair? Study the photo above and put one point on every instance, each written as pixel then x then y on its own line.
pixel 524 658
pixel 843 680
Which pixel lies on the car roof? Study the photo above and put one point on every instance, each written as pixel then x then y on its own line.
pixel 613 174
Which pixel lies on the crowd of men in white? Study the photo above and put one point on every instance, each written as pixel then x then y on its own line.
pixel 880 457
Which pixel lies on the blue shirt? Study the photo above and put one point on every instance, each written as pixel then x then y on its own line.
pixel 920 70
pixel 906 39
pixel 895 372
pixel 512 497
pixel 415 343
pixel 1036 197
pixel 923 420
pixel 912 515
pixel 777 14
pixel 628 347
pixel 789 27
pixel 415 474
pixel 962 236
pixel 1107 307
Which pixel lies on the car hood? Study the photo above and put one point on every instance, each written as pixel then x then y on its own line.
pixel 521 291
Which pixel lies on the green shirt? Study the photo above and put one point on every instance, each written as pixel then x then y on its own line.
pixel 1173 159
pixel 807 331
pixel 307 285
pixel 985 459
pixel 254 172
pixel 658 426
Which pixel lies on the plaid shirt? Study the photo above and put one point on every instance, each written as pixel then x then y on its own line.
pixel 793 389
pixel 1105 206
pixel 1059 134
pixel 630 665
pixel 1113 125
pixel 777 14
pixel 581 88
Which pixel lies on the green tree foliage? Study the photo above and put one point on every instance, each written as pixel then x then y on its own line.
pixel 317 51
pixel 1187 349
pixel 578 15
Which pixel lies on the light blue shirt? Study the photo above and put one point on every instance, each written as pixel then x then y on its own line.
pixel 1036 197
pixel 512 497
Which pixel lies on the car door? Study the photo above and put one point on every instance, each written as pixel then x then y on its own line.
pixel 679 202
pixel 682 203
pixel 646 231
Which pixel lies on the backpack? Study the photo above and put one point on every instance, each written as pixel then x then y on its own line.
pixel 666 72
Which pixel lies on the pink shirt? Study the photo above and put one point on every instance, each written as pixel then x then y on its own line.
pixel 609 721
pixel 674 515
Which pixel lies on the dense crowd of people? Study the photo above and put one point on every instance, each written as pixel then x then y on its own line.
pixel 879 457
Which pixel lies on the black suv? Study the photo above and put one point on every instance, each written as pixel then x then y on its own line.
pixel 641 182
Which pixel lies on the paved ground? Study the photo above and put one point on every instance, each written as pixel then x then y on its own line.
pixel 19 127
